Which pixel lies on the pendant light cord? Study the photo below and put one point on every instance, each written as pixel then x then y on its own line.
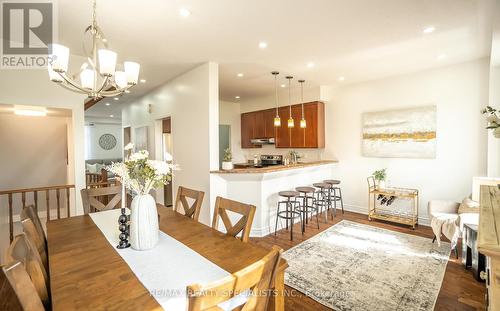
pixel 290 95
pixel 276 93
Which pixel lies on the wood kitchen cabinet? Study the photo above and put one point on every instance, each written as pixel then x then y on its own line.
pixel 260 124
pixel 248 125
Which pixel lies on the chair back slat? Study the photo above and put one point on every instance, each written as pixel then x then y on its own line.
pixel 37 240
pixel 244 225
pixel 22 250
pixel 256 278
pixel 181 202
pixel 17 290
pixel 92 198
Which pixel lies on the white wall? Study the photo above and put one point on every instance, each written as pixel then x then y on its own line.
pixel 493 142
pixel 229 114
pixel 92 135
pixel 32 87
pixel 459 91
pixel 192 101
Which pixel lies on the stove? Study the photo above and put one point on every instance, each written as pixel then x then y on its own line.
pixel 270 160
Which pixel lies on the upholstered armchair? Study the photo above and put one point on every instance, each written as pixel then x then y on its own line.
pixel 445 220
pixel 439 208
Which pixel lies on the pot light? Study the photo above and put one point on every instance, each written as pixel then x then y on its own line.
pixel 310 65
pixel 240 75
pixel 441 56
pixel 111 116
pixel 341 78
pixel 283 85
pixel 107 104
pixel 262 45
pixel 127 91
pixel 143 80
pixel 30 111
pixel 429 29
pixel 237 97
pixel 184 12
pixel 116 98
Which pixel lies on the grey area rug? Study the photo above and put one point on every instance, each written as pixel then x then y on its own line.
pixel 352 266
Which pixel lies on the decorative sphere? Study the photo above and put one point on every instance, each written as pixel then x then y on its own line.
pixel 122 219
pixel 123 236
pixel 122 228
pixel 123 244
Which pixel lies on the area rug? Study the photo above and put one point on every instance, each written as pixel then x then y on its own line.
pixel 352 266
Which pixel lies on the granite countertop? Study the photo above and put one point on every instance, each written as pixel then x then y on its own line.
pixel 276 168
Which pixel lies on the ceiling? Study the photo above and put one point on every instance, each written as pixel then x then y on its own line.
pixel 357 39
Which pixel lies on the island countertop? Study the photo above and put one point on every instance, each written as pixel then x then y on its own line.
pixel 274 168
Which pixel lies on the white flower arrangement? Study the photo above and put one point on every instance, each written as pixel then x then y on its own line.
pixel 140 174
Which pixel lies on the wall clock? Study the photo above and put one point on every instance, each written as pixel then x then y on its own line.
pixel 107 141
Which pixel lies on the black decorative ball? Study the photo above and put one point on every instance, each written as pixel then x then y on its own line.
pixel 122 219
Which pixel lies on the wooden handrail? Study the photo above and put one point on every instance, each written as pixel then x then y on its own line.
pixel 36 189
pixel 62 196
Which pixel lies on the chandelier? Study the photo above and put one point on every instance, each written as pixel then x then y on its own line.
pixel 98 76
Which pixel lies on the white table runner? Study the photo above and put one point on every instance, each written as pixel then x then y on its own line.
pixel 167 269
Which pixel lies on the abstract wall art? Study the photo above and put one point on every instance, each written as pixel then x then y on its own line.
pixel 400 133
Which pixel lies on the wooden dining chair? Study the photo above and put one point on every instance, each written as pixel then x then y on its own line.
pixel 22 250
pixel 17 292
pixel 91 198
pixel 29 212
pixel 258 279
pixel 38 241
pixel 190 210
pixel 244 225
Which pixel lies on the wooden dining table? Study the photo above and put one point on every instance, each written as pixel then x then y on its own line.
pixel 86 272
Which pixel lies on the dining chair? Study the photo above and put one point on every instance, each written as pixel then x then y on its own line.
pixel 22 250
pixel 258 278
pixel 190 210
pixel 17 290
pixel 37 241
pixel 30 212
pixel 243 225
pixel 90 198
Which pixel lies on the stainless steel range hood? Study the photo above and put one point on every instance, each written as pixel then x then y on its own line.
pixel 263 141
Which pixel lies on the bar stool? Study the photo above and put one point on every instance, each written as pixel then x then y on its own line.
pixel 308 205
pixel 337 193
pixel 290 212
pixel 323 201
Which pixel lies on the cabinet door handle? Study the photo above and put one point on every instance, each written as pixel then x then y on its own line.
pixel 483 275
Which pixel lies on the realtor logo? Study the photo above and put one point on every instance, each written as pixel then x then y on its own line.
pixel 27 31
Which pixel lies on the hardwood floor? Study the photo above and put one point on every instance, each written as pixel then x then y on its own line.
pixel 459 291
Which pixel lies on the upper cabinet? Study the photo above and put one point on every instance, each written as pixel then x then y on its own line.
pixel 260 124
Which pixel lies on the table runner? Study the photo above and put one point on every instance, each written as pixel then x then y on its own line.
pixel 167 269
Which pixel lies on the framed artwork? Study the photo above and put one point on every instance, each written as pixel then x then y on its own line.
pixel 400 133
pixel 141 138
pixel 107 141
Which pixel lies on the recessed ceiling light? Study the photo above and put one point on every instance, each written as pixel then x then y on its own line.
pixel 310 65
pixel 441 56
pixel 127 91
pixel 237 97
pixel 429 29
pixel 143 80
pixel 116 98
pixel 107 104
pixel 341 78
pixel 240 75
pixel 184 12
pixel 283 85
pixel 111 116
pixel 262 45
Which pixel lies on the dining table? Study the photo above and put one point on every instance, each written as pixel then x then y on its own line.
pixel 87 273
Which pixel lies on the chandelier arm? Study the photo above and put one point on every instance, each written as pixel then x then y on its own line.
pixel 104 83
pixel 112 93
pixel 70 88
pixel 72 83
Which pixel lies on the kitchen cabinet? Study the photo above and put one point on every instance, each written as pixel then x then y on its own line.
pixel 283 132
pixel 260 124
pixel 248 125
pixel 297 134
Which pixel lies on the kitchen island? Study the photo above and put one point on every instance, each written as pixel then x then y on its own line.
pixel 260 187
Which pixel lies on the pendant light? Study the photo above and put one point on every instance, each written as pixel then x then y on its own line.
pixel 303 124
pixel 277 119
pixel 290 119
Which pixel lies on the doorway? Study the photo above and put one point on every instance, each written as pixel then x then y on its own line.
pixel 224 140
pixel 167 147
pixel 126 136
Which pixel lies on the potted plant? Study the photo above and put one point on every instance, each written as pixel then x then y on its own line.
pixel 380 176
pixel 227 163
pixel 493 118
pixel 140 175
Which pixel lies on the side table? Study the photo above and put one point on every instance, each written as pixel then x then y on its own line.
pixel 471 257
